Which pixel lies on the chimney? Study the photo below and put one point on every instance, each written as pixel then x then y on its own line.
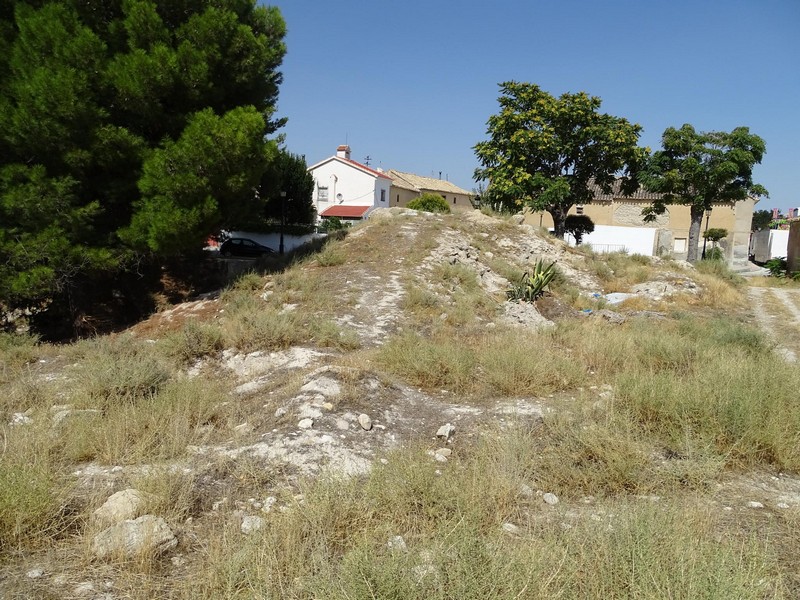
pixel 343 151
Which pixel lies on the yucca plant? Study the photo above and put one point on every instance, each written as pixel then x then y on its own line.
pixel 532 285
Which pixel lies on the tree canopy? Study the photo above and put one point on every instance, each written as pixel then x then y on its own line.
pixel 699 169
pixel 548 153
pixel 128 129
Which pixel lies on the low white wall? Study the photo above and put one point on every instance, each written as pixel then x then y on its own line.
pixel 272 240
pixel 613 238
pixel 769 243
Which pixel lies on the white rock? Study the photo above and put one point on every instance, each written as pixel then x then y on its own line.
pixel 446 452
pixel 525 491
pixel 752 504
pixel 20 419
pixel 365 421
pixel 446 431
pixel 306 424
pixel 326 386
pixel 281 411
pixel 122 506
pixel 243 429
pixel 83 589
pixel 251 523
pixel 782 505
pixel 147 534
pixel 35 573
pixel 342 424
pixel 397 544
pixel 550 499
pixel 511 528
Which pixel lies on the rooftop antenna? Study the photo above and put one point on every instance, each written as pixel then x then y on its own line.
pixel 367 160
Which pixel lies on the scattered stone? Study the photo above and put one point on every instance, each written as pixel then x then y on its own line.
pixel 243 429
pixel 20 419
pixel 397 544
pixel 446 431
pixel 281 411
pixel 511 529
pixel 178 561
pixel 752 504
pixel 306 423
pixel 326 386
pixel 251 523
pixel 365 421
pixel 35 573
pixel 83 589
pixel 424 571
pixel 525 491
pixel 147 534
pixel 342 424
pixel 122 506
pixel 782 505
pixel 445 452
pixel 550 499
pixel 612 317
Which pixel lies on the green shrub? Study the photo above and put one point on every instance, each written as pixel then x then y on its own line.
pixel 430 203
pixel 777 267
pixel 532 285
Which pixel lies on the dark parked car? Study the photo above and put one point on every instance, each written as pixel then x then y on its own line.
pixel 243 247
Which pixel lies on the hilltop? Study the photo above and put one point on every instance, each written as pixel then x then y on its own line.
pixel 377 419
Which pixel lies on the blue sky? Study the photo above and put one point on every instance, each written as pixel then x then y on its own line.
pixel 411 84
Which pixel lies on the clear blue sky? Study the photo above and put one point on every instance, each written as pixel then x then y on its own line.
pixel 412 83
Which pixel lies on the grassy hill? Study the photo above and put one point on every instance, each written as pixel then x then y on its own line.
pixel 291 432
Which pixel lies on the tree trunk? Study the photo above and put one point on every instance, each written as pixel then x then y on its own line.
pixel 694 232
pixel 559 215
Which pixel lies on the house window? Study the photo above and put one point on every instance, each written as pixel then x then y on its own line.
pixel 398 198
pixel 322 194
pixel 383 195
pixel 680 244
pixel 454 199
pixel 579 209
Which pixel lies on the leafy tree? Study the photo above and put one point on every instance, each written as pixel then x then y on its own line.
pixel 761 220
pixel 578 226
pixel 715 234
pixel 697 169
pixel 548 153
pixel 429 202
pixel 129 131
pixel 289 174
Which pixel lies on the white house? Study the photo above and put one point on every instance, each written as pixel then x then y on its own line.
pixel 347 189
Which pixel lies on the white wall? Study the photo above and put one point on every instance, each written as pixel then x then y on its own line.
pixel 769 243
pixel 272 240
pixel 612 238
pixel 356 187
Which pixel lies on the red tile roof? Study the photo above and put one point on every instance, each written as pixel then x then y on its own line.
pixel 347 212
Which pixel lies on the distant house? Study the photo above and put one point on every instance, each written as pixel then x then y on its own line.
pixel 617 209
pixel 347 189
pixel 407 186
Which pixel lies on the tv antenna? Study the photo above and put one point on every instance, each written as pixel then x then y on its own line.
pixel 367 160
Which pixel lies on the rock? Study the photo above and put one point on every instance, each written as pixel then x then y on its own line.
pixel 446 452
pixel 525 491
pixel 281 411
pixel 365 421
pixel 251 524
pixel 146 535
pixel 397 544
pixel 782 505
pixel 609 315
pixel 243 429
pixel 35 573
pixel 122 506
pixel 550 499
pixel 752 504
pixel 306 424
pixel 322 385
pixel 617 297
pixel 20 419
pixel 83 589
pixel 511 528
pixel 59 416
pixel 342 424
pixel 446 431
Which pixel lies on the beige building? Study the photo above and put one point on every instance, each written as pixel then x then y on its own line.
pixel 617 209
pixel 407 186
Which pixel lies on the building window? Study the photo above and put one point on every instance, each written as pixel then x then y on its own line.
pixel 579 209
pixel 383 195
pixel 454 199
pixel 398 198
pixel 322 194
pixel 680 244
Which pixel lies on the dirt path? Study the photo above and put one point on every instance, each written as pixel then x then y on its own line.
pixel 777 312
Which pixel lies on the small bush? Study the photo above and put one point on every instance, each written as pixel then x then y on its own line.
pixel 430 203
